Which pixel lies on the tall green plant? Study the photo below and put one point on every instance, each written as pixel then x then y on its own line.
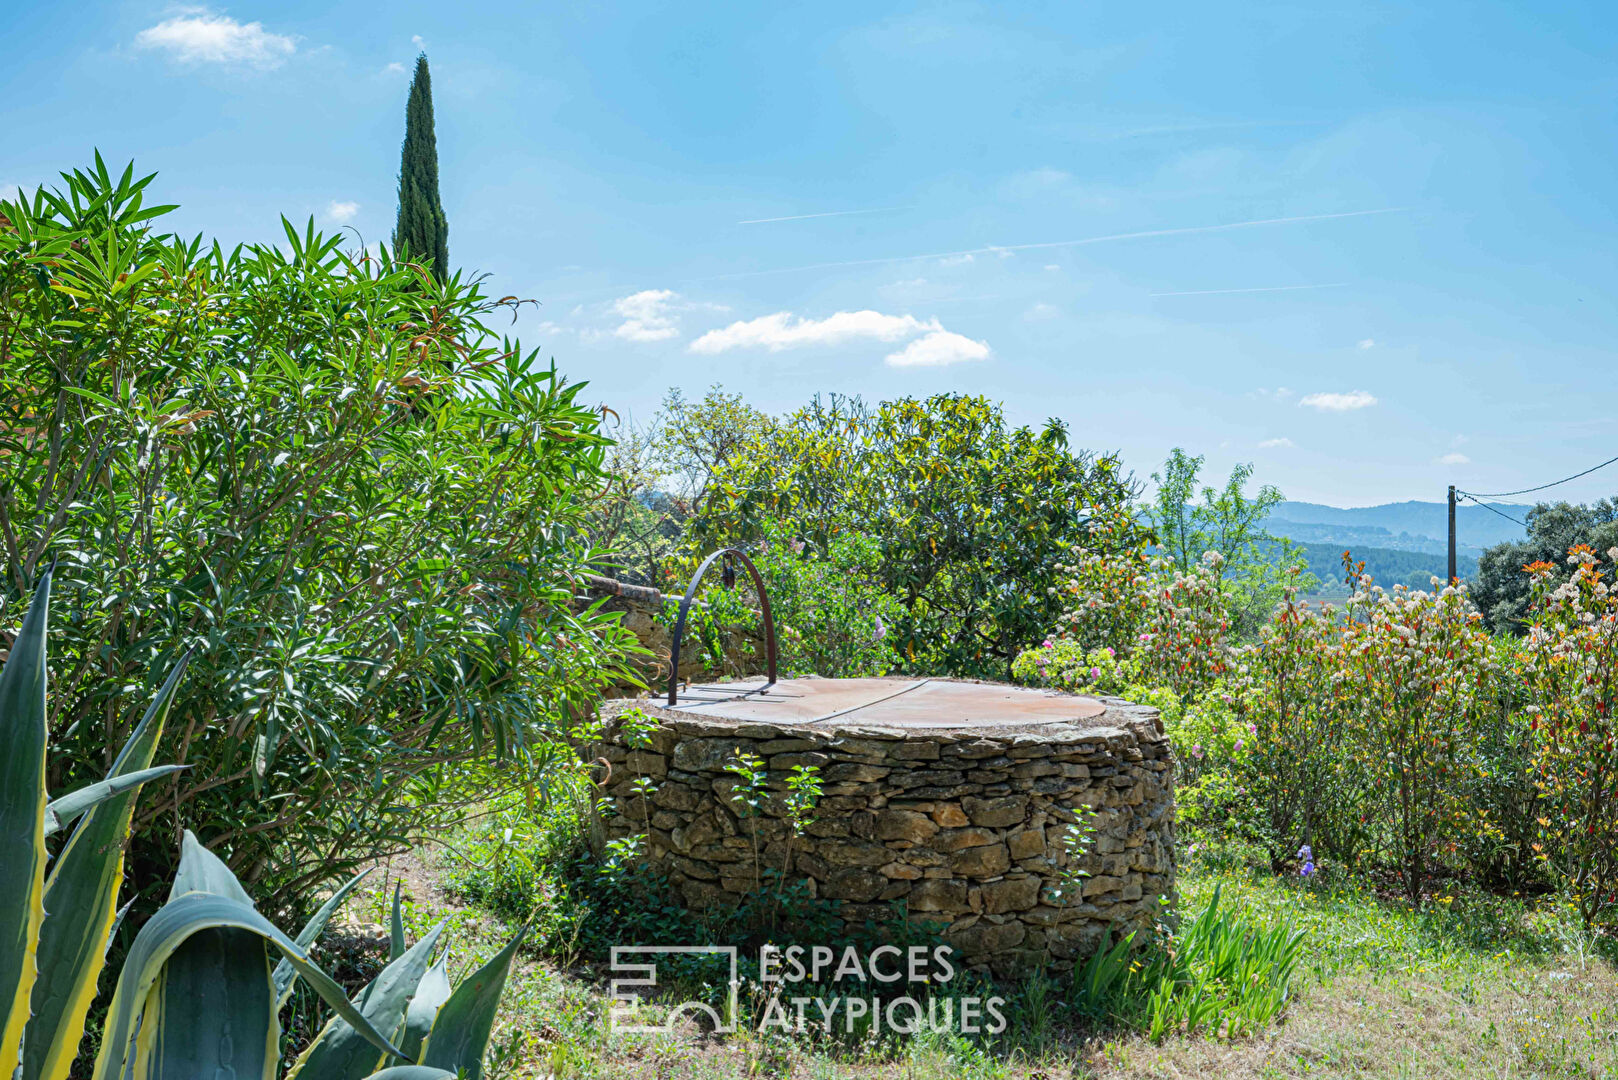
pixel 422 230
pixel 57 924
pixel 325 475
pixel 197 995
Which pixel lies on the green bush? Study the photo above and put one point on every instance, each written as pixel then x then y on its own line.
pixel 325 475
pixel 831 614
pixel 198 983
pixel 968 515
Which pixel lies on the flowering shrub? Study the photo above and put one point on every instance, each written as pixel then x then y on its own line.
pixel 1571 663
pixel 1390 732
pixel 1064 664
pixel 1415 679
pixel 1172 623
pixel 1290 692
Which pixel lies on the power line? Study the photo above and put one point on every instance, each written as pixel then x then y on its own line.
pixel 1487 506
pixel 1475 495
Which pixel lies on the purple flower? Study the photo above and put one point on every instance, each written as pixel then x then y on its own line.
pixel 881 629
pixel 1308 856
pixel 1238 745
pixel 1196 751
pixel 1095 673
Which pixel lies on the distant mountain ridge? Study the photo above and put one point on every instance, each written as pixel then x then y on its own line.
pixel 1403 526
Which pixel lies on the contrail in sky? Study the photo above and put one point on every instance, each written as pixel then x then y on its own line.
pixel 1267 288
pixel 830 213
pixel 997 248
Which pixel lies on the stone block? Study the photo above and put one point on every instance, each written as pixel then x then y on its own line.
pixel 986 861
pixel 904 825
pixel 996 812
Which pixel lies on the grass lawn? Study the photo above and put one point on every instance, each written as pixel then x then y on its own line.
pixel 1475 987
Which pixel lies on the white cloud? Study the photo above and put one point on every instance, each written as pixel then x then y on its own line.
pixel 957 260
pixel 1280 393
pixel 1041 311
pixel 415 39
pixel 394 68
pixel 783 330
pixel 1272 444
pixel 1455 459
pixel 10 192
pixel 1367 343
pixel 1052 266
pixel 938 349
pixel 341 212
pixel 200 36
pixel 647 316
pixel 1354 399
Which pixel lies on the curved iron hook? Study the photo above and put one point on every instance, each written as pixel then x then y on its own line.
pixel 685 606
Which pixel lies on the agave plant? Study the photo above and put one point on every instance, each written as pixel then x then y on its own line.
pixel 197 995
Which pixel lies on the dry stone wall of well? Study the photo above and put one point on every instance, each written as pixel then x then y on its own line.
pixel 966 827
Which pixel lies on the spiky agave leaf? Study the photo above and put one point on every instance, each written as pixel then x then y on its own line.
pixel 81 897
pixel 284 975
pixel 341 1053
pixel 431 994
pixel 396 934
pixel 60 813
pixel 22 821
pixel 460 1033
pixel 206 897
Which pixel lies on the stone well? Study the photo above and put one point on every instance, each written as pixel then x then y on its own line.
pixel 954 797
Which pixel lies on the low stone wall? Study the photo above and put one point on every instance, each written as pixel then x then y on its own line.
pixel 640 606
pixel 966 828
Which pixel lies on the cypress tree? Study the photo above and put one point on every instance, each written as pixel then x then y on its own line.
pixel 422 230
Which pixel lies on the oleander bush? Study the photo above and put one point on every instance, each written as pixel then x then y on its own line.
pixel 325 475
pixel 1392 736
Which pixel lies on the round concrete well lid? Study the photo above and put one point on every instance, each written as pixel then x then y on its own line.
pixel 891 703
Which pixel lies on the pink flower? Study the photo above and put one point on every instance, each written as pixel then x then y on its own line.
pixel 1095 673
pixel 1196 751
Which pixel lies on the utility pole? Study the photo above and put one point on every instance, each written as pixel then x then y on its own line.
pixel 1452 534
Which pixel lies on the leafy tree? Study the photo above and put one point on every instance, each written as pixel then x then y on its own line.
pixel 422 231
pixel 322 474
pixel 1503 591
pixel 971 515
pixel 635 525
pixel 694 441
pixel 1257 565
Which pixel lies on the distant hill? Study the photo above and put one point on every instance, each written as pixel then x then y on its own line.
pixel 1403 527
pixel 1387 567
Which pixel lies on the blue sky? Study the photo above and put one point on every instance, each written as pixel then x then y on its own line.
pixel 1368 246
